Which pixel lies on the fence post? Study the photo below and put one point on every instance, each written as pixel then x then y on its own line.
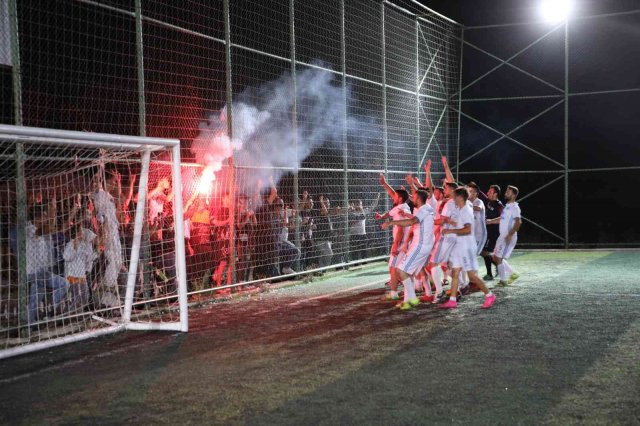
pixel 230 163
pixel 384 111
pixel 294 124
pixel 566 135
pixel 459 106
pixel 417 98
pixel 21 194
pixel 145 246
pixel 345 147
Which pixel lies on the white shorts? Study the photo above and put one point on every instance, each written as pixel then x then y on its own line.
pixel 503 250
pixel 464 256
pixel 415 259
pixel 442 249
pixel 395 260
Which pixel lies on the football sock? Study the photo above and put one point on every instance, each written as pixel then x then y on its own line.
pixel 508 268
pixel 487 263
pixel 409 290
pixel 502 272
pixel 437 275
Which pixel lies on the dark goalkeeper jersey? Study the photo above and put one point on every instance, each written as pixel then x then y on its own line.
pixel 493 208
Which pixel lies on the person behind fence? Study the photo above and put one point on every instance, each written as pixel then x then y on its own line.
pixel 267 230
pixel 324 233
pixel 286 252
pixel 358 227
pixel 78 261
pixel 245 230
pixel 110 237
pixel 220 238
pixel 307 227
pixel 42 244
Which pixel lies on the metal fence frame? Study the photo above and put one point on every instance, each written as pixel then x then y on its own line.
pixel 420 14
pixel 453 102
pixel 563 97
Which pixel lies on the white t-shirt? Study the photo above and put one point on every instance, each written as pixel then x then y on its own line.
pixel 359 227
pixel 395 215
pixel 510 213
pixel 40 252
pixel 284 231
pixel 78 260
pixel 451 211
pixel 465 216
pixel 423 230
pixel 433 203
pixel 479 218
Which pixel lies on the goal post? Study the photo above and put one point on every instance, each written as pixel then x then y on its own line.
pixel 86 250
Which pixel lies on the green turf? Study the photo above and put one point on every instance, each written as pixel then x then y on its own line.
pixel 561 346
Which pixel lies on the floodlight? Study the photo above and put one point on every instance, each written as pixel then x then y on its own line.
pixel 556 10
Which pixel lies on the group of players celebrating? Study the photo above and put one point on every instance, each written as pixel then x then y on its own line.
pixel 448 228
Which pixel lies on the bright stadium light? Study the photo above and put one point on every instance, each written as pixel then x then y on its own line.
pixel 556 10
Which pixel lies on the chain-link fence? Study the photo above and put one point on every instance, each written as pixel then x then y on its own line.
pixel 287 113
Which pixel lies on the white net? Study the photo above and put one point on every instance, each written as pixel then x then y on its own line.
pixel 68 219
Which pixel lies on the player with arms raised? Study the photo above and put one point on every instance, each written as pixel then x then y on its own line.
pixel 399 198
pixel 417 253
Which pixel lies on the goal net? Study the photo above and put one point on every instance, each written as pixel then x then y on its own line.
pixel 92 236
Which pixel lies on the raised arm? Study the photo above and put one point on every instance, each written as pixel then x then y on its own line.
pixel 375 203
pixel 447 170
pixel 386 186
pixel 273 191
pixel 428 182
pixel 416 182
pixel 411 182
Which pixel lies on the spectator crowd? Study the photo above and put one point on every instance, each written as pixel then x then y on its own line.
pixel 78 241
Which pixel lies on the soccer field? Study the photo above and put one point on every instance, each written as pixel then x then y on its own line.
pixel 560 346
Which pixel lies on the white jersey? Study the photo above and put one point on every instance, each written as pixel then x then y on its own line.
pixel 465 216
pixel 78 260
pixel 439 208
pixel 451 211
pixel 423 230
pixel 510 213
pixel 421 242
pixel 433 203
pixel 479 219
pixel 465 252
pixel 395 215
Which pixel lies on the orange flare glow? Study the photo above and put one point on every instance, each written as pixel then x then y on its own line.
pixel 206 181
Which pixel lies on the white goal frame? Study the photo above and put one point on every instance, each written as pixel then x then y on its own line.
pixel 23 135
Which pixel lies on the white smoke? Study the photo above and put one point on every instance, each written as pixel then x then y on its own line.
pixel 264 136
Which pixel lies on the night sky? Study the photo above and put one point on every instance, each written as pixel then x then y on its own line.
pixel 603 129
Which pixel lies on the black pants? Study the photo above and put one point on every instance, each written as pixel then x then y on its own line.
pixel 358 246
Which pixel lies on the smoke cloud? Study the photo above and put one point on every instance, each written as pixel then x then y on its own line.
pixel 264 136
